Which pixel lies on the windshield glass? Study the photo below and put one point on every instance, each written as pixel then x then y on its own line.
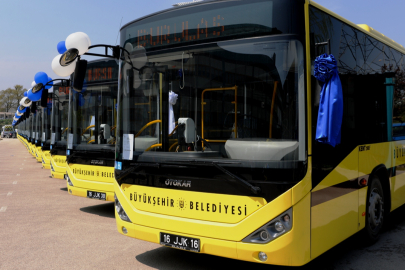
pixel 93 110
pixel 241 99
pixel 38 124
pixel 60 109
pixel 32 125
pixel 46 120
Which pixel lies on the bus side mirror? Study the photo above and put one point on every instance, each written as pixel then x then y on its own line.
pixel 79 74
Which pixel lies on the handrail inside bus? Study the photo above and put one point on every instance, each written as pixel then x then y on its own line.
pixel 235 89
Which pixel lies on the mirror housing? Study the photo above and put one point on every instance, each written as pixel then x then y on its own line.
pixel 79 75
pixel 68 57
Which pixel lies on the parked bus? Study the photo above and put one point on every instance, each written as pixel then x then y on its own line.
pixel 33 118
pixel 92 133
pixel 46 133
pixel 59 120
pixel 38 131
pixel 232 168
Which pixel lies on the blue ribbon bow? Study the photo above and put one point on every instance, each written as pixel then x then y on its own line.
pixel 330 114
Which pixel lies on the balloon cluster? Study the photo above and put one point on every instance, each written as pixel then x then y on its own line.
pixel 41 82
pixel 76 44
pixel 77 41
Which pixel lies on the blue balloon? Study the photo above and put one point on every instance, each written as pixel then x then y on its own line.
pixel 25 93
pixel 50 84
pixel 61 47
pixel 17 116
pixel 34 96
pixel 41 77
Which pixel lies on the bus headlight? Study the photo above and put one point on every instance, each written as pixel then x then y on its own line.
pixel 120 210
pixel 68 180
pixel 52 169
pixel 273 229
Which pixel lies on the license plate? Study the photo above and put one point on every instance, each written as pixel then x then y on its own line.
pixel 96 195
pixel 181 242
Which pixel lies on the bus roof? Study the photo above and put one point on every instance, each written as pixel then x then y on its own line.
pixel 364 28
pixel 173 8
pixel 361 27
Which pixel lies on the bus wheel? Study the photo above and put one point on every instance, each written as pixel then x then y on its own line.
pixel 374 211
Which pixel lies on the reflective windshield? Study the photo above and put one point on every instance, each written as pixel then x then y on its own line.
pixel 238 99
pixel 46 121
pixel 60 109
pixel 38 124
pixel 93 116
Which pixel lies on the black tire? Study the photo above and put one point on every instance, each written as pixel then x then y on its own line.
pixel 375 211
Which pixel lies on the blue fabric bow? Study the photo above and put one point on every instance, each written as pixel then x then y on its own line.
pixel 330 114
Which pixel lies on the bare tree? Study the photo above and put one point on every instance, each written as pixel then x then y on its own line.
pixel 10 98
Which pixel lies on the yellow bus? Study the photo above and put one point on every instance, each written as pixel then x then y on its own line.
pixel 46 133
pixel 32 131
pixel 92 133
pixel 38 116
pixel 217 117
pixel 59 120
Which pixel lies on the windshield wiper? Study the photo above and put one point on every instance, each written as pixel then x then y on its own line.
pixel 242 182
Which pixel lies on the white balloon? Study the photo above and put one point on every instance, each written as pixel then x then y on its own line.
pixel 25 102
pixel 33 84
pixel 62 71
pixel 129 47
pixel 79 41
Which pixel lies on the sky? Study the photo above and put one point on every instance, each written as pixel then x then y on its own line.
pixel 30 30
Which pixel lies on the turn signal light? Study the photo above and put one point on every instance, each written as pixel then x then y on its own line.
pixel 363 182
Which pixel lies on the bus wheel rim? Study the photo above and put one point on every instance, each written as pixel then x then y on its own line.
pixel 376 209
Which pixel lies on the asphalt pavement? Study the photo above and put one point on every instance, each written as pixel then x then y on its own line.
pixel 43 227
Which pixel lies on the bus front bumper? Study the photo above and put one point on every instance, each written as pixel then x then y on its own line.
pixel 290 249
pixel 58 171
pixel 46 161
pixel 82 192
pixel 81 187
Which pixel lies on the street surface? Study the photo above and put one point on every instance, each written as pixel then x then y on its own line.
pixel 43 227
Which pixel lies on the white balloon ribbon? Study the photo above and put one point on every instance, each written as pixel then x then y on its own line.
pixel 172 101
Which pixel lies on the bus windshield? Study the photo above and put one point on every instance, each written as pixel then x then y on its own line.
pixel 93 110
pixel 38 124
pixel 239 99
pixel 46 122
pixel 60 108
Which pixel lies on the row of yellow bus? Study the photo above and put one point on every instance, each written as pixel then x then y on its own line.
pixel 201 128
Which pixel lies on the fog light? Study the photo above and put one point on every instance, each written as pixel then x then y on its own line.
pixel 279 226
pixel 124 230
pixel 262 256
pixel 70 191
pixel 264 235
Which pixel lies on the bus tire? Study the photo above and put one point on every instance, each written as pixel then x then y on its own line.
pixel 374 211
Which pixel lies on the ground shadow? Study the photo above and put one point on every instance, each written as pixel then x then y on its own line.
pixel 339 255
pixel 64 189
pixel 102 209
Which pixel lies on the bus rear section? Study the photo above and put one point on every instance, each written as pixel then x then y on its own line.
pixel 212 153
